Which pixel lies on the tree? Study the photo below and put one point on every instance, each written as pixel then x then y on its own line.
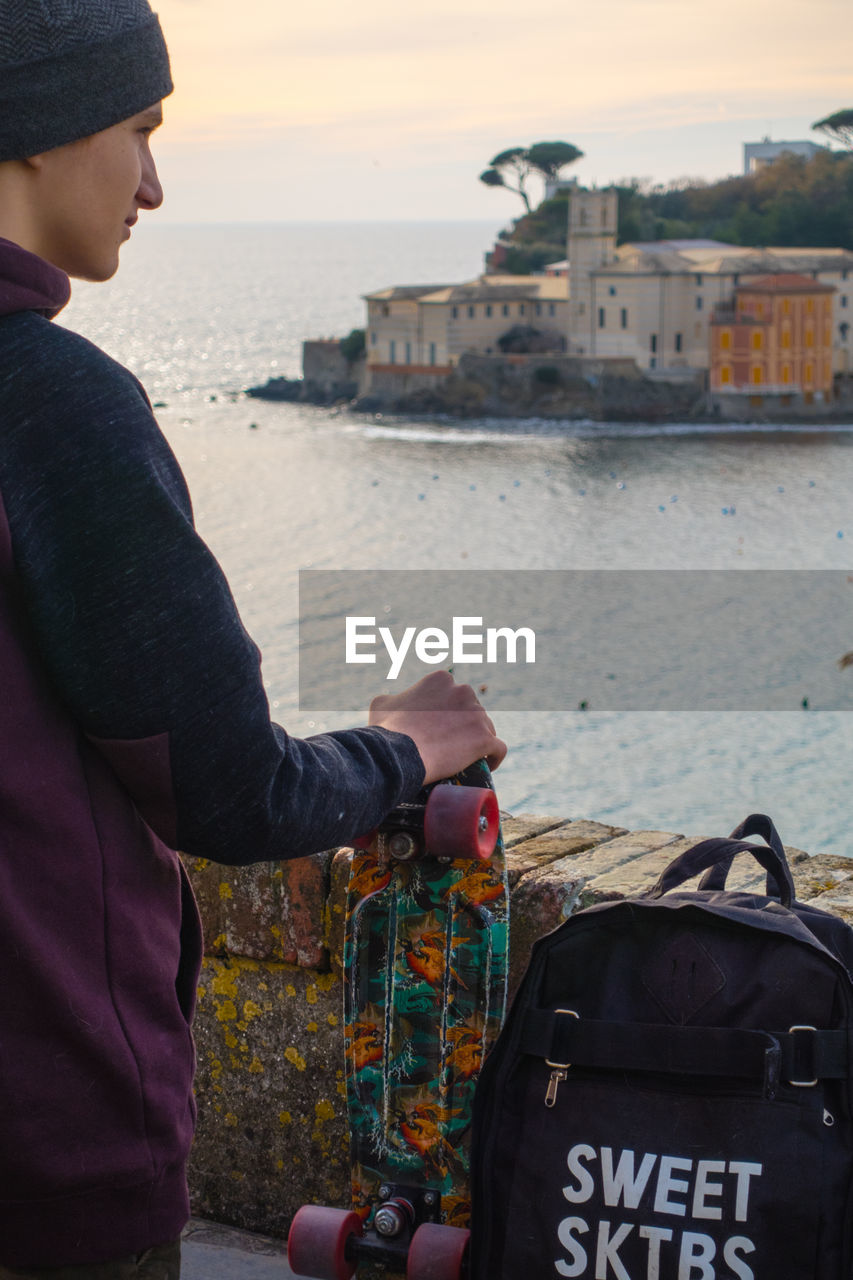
pixel 550 157
pixel 544 158
pixel 838 126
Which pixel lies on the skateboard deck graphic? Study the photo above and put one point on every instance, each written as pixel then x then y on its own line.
pixel 425 976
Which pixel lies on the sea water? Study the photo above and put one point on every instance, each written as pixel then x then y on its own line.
pixel 202 313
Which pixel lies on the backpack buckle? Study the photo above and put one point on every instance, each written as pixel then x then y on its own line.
pixel 562 1066
pixel 797 1049
pixel 559 1069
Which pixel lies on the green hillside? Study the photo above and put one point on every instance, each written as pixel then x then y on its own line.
pixel 793 202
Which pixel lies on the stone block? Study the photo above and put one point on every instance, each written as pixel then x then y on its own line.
pixel 272 1128
pixel 267 911
pixel 524 826
pixel 561 842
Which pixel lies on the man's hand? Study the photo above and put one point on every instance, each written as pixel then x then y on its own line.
pixel 449 726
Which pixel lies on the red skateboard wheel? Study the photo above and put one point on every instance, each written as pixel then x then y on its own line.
pixel 461 822
pixel 437 1252
pixel 317 1241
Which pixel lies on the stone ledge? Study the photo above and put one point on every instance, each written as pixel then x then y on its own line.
pixel 272 1113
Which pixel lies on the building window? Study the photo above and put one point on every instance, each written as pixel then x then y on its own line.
pixel 756 374
pixel 759 310
pixel 471 313
pixel 653 362
pixel 623 318
pixel 786 374
pixel 757 340
pixel 583 218
pixel 432 353
pixel 844 329
pixel 505 309
pixel 678 342
pixel 653 342
pixel 408 353
pixel 809 337
pixel 538 308
pixel 488 308
pixel 725 339
pixel 725 374
pixel 521 308
pixel 602 318
pixel 552 310
pixel 392 352
pixel 454 312
pixel 612 291
pixel 786 306
pixel 373 339
pixel 809 374
pixel 386 310
pixel 699 282
pixel 786 337
pixel 581 308
pixel 843 300
pixel 810 305
pixel 844 274
pixel 700 302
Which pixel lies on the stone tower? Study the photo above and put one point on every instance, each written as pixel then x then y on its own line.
pixel 592 244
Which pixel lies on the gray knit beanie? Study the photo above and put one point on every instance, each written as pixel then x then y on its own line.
pixel 69 68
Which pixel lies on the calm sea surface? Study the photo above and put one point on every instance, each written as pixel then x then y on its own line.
pixel 200 313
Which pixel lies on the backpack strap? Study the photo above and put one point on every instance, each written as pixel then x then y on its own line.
pixel 716 856
pixel 800 1056
pixel 757 824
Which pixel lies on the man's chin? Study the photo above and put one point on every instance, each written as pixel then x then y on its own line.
pixel 94 272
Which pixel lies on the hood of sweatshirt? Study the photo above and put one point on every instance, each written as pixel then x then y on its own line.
pixel 28 283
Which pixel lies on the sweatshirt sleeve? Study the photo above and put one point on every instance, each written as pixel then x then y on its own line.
pixel 140 636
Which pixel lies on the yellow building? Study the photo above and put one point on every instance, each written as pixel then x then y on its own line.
pixel 774 339
pixel 424 329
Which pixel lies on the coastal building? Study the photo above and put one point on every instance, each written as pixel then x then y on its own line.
pixel 653 301
pixel 424 329
pixel 774 339
pixel 758 154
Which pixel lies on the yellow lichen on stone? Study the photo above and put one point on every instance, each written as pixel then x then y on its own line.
pixel 215 1069
pixel 226 1011
pixel 284 1117
pixel 225 890
pixel 251 1010
pixel 231 1119
pixel 333 1019
pixel 341 1088
pixel 224 981
pixel 294 1057
pixel 324 1110
pixel 326 981
pixel 231 1040
pixel 290 989
pixel 312 1026
pixel 256 1067
pixel 311 993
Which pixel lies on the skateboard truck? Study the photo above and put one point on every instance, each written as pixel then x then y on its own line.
pixel 450 823
pixel 405 1237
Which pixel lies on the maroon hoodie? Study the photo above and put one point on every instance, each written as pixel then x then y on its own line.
pixel 133 722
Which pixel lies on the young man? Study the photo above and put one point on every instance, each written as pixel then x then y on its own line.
pixel 133 720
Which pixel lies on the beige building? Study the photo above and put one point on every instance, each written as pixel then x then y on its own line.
pixel 653 302
pixel 426 328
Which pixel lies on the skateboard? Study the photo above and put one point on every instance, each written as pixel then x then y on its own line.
pixel 425 976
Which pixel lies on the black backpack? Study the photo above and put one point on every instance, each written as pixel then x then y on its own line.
pixel 670 1098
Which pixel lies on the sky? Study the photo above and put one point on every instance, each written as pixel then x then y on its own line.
pixel 287 111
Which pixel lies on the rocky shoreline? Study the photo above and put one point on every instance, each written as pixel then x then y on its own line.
pixel 487 388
